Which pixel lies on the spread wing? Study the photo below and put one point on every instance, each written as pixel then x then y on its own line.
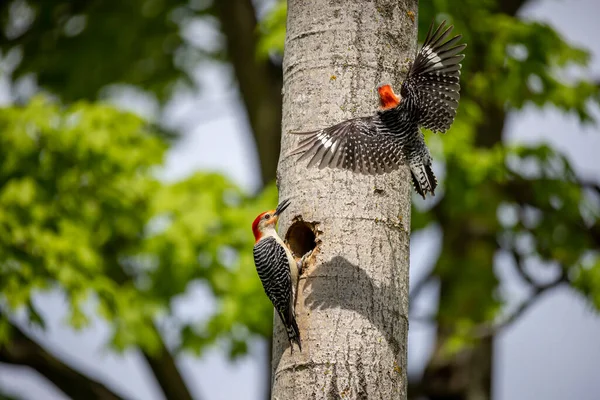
pixel 362 145
pixel 434 79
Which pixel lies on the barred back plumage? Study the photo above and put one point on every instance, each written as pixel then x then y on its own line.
pixel 381 143
pixel 274 272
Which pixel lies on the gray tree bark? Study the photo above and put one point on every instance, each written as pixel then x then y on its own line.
pixel 352 306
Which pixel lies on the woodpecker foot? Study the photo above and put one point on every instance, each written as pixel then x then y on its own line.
pixel 302 261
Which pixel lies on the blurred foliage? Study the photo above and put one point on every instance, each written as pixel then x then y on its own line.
pixel 82 211
pixel 67 44
pixel 503 198
pixel 4 396
pixel 496 196
pixel 272 30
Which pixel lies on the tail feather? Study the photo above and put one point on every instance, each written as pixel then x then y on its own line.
pixel 423 179
pixel 293 333
pixel 292 330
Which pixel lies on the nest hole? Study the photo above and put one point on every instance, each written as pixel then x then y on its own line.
pixel 301 238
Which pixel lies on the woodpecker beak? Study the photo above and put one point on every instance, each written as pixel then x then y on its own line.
pixel 281 207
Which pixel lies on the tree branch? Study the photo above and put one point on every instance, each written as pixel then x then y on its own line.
pixel 415 388
pixel 23 350
pixel 167 374
pixel 590 185
pixel 519 190
pixel 487 330
pixel 521 268
pixel 511 7
pixel 161 362
pixel 259 81
pixel 419 286
pixel 9 396
pixel 594 231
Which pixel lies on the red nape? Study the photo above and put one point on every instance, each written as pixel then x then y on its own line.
pixel 255 230
pixel 387 97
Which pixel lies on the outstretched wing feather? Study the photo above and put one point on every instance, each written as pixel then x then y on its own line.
pixel 361 145
pixel 435 79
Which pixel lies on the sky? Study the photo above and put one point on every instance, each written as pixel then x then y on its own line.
pixel 552 352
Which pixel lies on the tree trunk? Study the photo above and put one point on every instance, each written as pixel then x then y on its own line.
pixel 352 305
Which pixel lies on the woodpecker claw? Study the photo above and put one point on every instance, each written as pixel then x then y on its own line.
pixel 302 261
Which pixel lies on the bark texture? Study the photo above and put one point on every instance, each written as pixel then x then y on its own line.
pixel 352 305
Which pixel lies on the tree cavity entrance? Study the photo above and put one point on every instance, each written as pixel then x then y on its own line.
pixel 301 237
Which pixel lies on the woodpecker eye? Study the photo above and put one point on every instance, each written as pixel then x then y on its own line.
pixel 267 216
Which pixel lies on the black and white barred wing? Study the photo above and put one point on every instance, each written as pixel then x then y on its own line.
pixel 362 145
pixel 273 270
pixel 434 79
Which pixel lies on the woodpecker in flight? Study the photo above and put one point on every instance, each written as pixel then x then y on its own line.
pixel 277 269
pixel 382 142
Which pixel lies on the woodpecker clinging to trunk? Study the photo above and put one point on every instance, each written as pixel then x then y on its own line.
pixel 382 142
pixel 277 269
